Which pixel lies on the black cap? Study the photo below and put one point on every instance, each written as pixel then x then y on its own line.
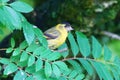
pixel 67 26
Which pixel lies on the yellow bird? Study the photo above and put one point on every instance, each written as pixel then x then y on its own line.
pixel 57 35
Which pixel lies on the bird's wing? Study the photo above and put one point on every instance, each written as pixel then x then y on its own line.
pixel 51 33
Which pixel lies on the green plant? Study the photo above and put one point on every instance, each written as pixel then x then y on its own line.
pixel 78 59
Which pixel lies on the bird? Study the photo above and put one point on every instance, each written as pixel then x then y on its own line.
pixel 57 35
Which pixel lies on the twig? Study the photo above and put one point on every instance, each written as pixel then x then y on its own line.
pixel 112 35
pixel 62 50
pixel 3 49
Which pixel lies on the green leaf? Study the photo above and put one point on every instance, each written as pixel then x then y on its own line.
pixel 87 66
pixel 4 0
pixel 65 53
pixel 2 19
pixel 62 78
pixel 75 65
pixel 38 33
pixel 28 32
pixel 96 48
pixel 0 68
pixel 23 45
pixel 4 61
pixel 31 60
pixel 5 20
pixel 12 43
pixel 24 56
pixel 9 50
pixel 107 53
pixel 102 71
pixel 80 77
pixel 48 69
pixel 21 7
pixel 40 37
pixel 83 44
pixel 38 50
pixel 30 69
pixel 65 73
pixel 73 44
pixel 61 65
pixel 16 52
pixel 22 18
pixel 42 51
pixel 117 60
pixel 73 74
pixel 15 58
pixel 29 78
pixel 32 47
pixel 20 75
pixel 40 75
pixel 45 53
pixel 38 65
pixel 53 56
pixel 22 64
pixel 12 18
pixel 56 70
pixel 115 72
pixel 10 68
pixel 52 78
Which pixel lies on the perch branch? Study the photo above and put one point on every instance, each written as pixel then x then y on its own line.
pixel 112 35
pixel 62 50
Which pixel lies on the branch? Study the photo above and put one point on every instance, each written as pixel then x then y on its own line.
pixel 62 50
pixel 3 49
pixel 112 35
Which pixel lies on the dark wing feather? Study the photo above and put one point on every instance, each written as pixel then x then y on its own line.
pixel 51 33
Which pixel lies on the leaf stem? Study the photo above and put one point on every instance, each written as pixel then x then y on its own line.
pixel 89 59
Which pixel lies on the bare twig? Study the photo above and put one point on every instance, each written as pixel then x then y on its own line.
pixel 112 35
pixel 3 49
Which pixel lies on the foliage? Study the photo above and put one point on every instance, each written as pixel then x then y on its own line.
pixel 84 59
pixel 39 62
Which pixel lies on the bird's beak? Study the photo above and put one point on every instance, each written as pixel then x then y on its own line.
pixel 69 28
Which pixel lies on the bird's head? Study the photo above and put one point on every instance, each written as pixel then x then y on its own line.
pixel 67 26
